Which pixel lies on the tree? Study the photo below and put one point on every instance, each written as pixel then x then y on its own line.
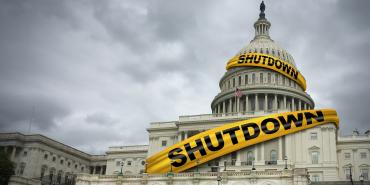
pixel 6 168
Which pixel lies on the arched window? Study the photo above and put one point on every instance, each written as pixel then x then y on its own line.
pixel 59 177
pixel 253 78
pixel 240 80
pixel 246 79
pixel 273 155
pixel 21 168
pixel 43 170
pixel 51 174
pixel 269 78
pixel 233 82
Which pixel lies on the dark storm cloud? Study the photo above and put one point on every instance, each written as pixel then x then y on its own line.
pixel 108 68
pixel 20 109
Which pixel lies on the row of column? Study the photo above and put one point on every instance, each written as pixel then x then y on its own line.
pixel 98 169
pixel 256 102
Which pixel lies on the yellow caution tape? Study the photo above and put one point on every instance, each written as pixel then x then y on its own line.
pixel 231 137
pixel 269 62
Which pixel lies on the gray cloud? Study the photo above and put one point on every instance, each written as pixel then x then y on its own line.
pixel 110 68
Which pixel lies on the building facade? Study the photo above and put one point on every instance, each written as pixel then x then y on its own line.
pixel 316 154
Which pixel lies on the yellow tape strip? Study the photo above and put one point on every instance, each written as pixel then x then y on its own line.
pixel 269 62
pixel 231 137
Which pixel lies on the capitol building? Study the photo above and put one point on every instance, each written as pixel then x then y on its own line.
pixel 316 155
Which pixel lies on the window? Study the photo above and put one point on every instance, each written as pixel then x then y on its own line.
pixel 61 161
pixel 21 168
pixel 261 78
pixel 24 153
pixel 129 163
pixel 164 143
pixel 276 79
pixel 347 172
pixel 46 156
pixel 363 155
pixel 43 170
pixel 233 82
pixel 273 155
pixel 82 168
pixel 54 159
pixel 143 163
pixel 246 79
pixel 228 84
pixel 315 157
pixel 313 135
pixel 68 164
pixel 365 173
pixel 250 158
pixel 253 78
pixel 267 50
pixel 347 155
pixel 269 78
pixel 233 158
pixel 240 81
pixel 76 166
pixel 315 178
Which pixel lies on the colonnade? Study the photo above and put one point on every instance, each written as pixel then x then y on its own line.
pixel 259 102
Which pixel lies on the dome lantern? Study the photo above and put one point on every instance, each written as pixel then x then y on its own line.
pixel 262 25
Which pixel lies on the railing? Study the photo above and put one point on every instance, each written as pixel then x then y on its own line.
pixel 247 163
pixel 247 174
pixel 230 114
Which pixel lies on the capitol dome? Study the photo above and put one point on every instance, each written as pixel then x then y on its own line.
pixel 262 43
pixel 251 91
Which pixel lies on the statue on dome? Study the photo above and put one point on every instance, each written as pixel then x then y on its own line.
pixel 262 8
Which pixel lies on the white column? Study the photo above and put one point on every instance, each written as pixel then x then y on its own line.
pixel 299 104
pixel 281 148
pixel 230 105
pixel 237 104
pixel 293 104
pixel 275 102
pixel 237 162
pixel 284 103
pixel 12 157
pixel 224 107
pixel 246 103
pixel 219 108
pixel 266 103
pixel 263 153
pixel 256 102
pixel 305 106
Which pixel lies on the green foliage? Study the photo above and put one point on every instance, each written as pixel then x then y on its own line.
pixel 6 168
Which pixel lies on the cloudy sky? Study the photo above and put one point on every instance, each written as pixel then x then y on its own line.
pixel 94 74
